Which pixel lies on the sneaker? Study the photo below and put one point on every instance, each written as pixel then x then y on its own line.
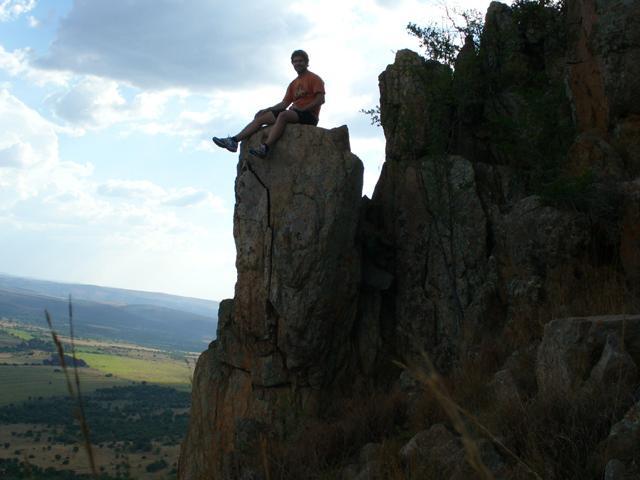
pixel 228 143
pixel 260 152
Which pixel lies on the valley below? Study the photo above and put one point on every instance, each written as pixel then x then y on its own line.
pixel 135 397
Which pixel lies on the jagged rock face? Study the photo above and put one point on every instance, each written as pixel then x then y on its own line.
pixel 469 246
pixel 468 89
pixel 604 61
pixel 526 117
pixel 294 224
pixel 585 71
pixel 603 75
pixel 430 215
pixel 283 340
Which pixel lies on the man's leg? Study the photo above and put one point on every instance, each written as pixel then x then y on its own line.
pixel 231 143
pixel 266 118
pixel 288 116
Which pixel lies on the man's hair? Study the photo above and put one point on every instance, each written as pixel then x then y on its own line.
pixel 300 53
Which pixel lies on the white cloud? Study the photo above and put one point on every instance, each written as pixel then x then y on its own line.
pixel 26 138
pixel 190 197
pixel 12 9
pixel 19 155
pixel 154 194
pixel 54 195
pixel 92 102
pixel 131 189
pixel 18 64
pixel 162 44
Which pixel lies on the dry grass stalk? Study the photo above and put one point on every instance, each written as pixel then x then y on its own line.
pixel 75 394
pixel 455 413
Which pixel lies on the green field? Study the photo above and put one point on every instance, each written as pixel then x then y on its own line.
pixel 109 363
pixel 158 369
pixel 21 382
pixel 18 333
pixel 7 340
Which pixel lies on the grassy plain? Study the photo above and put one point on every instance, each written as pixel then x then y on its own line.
pixel 19 383
pixel 110 364
pixel 19 333
pixel 140 366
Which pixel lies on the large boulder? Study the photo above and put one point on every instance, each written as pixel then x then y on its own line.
pixel 576 353
pixel 284 338
pixel 621 449
pixel 438 453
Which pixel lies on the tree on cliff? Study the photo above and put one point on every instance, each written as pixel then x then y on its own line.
pixel 442 42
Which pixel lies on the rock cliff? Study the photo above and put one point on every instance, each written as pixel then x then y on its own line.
pixel 281 343
pixel 504 226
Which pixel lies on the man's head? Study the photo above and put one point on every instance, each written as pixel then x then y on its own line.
pixel 300 61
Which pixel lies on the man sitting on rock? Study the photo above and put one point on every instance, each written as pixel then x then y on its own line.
pixel 306 92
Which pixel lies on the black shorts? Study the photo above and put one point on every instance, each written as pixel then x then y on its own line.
pixel 304 117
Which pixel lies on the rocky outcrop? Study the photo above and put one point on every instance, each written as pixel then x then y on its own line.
pixel 281 344
pixel 579 352
pixel 414 128
pixel 469 247
pixel 439 453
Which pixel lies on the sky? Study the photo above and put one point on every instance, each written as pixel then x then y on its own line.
pixel 108 175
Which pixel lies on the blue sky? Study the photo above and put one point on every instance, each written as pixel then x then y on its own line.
pixel 107 171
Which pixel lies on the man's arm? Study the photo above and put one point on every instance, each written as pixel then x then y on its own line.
pixel 318 100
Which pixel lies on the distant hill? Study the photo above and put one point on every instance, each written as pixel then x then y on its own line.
pixel 116 296
pixel 151 319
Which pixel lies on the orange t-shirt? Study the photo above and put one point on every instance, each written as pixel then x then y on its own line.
pixel 303 90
